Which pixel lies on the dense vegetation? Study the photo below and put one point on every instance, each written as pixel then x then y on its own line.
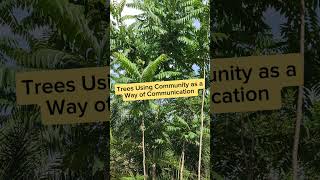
pixel 50 34
pixel 168 40
pixel 259 145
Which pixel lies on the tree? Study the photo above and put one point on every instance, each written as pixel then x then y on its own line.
pixel 69 35
pixel 148 74
pixel 295 165
pixel 201 127
pixel 262 146
pixel 178 29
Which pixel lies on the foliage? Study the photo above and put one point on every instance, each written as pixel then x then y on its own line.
pixel 258 145
pixel 164 42
pixel 54 34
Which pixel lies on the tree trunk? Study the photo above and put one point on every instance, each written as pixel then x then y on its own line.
pixel 182 162
pixel 242 132
pixel 154 176
pixel 107 155
pixel 143 151
pixel 179 166
pixel 295 165
pixel 201 127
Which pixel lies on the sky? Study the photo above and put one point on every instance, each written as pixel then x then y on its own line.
pixel 129 11
pixel 274 19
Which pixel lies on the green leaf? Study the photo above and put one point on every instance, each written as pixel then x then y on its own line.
pixel 127 65
pixel 216 37
pixel 150 70
pixel 42 58
pixel 167 74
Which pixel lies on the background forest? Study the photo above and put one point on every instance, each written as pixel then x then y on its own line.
pixel 259 145
pixel 42 35
pixel 166 40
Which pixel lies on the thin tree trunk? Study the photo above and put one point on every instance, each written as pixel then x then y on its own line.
pixel 154 176
pixel 242 132
pixel 179 166
pixel 143 151
pixel 182 162
pixel 251 176
pixel 201 127
pixel 107 155
pixel 295 165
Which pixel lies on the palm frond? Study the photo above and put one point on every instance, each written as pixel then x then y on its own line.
pixel 127 65
pixel 20 146
pixel 311 96
pixel 71 23
pixel 153 66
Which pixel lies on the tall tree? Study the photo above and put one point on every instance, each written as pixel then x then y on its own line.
pixel 148 74
pixel 179 29
pixel 202 124
pixel 295 163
